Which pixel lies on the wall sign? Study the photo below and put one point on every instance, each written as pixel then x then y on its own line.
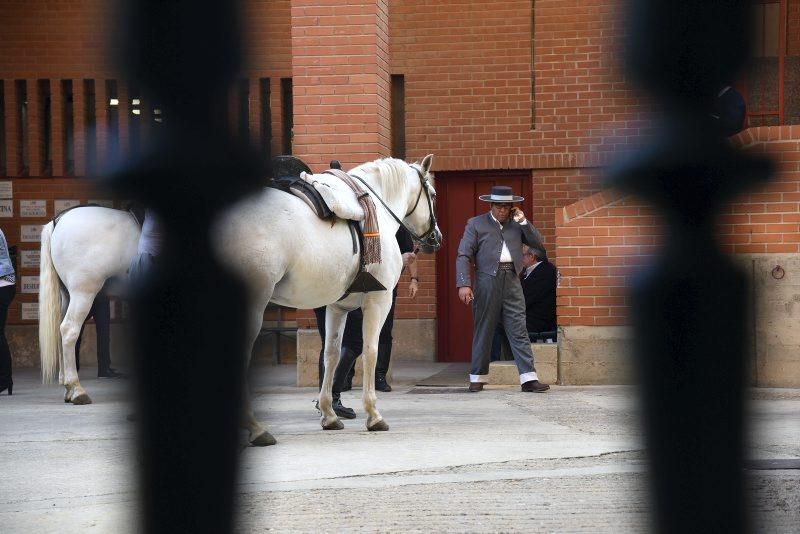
pixel 30 233
pixel 61 205
pixel 30 258
pixel 6 189
pixel 33 208
pixel 30 284
pixel 6 208
pixel 29 311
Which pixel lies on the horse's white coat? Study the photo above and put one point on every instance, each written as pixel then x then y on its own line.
pixel 284 253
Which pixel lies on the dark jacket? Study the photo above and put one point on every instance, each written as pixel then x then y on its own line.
pixel 539 289
pixel 483 242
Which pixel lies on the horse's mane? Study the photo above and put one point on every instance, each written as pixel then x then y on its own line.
pixel 390 173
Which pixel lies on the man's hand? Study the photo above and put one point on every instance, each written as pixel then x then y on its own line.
pixel 465 295
pixel 413 287
pixel 518 215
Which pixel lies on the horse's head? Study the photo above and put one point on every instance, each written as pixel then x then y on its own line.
pixel 421 214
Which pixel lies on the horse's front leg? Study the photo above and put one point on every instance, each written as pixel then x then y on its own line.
pixel 334 330
pixel 374 317
pixel 77 311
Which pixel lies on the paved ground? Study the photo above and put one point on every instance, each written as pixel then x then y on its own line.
pixel 570 460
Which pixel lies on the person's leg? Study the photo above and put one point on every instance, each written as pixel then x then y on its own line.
pixel 485 313
pixel 497 342
pixel 513 318
pixel 385 349
pixel 6 381
pixel 102 321
pixel 320 314
pixel 353 339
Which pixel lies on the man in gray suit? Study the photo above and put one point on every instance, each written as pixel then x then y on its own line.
pixel 493 242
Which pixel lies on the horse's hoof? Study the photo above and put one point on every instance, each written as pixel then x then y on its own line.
pixel 334 424
pixel 380 426
pixel 264 439
pixel 83 398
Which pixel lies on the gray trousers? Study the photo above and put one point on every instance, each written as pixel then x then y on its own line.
pixel 499 299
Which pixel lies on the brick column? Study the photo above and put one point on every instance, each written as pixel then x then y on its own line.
pixel 101 124
pixel 341 81
pixel 13 161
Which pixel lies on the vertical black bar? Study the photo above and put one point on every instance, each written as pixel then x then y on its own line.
pixel 68 130
pixel 265 120
pixel 46 127
pixel 243 102
pixel 22 129
pixel 91 127
pixel 689 309
pixel 188 314
pixel 3 148
pixel 288 114
pixel 135 119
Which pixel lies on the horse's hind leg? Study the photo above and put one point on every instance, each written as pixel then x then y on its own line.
pixel 334 329
pixel 78 309
pixel 259 436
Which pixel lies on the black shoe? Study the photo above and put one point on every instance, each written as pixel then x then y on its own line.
pixel 475 387
pixel 9 386
pixel 534 386
pixel 339 409
pixel 381 384
pixel 110 373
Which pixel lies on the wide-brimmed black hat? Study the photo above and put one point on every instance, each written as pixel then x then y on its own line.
pixel 501 193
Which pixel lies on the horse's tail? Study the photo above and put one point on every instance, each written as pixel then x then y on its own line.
pixel 49 311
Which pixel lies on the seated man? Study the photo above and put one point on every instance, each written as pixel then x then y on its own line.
pixel 539 278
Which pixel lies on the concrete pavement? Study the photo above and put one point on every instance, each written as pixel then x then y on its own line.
pixel 571 460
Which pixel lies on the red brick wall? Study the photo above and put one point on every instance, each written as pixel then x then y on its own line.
pixel 603 238
pixel 793 28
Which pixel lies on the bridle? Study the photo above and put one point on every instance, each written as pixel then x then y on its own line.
pixel 429 238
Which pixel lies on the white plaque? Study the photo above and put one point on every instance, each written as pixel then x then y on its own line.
pixel 30 284
pixel 30 259
pixel 31 233
pixel 61 205
pixel 6 208
pixel 104 203
pixel 6 190
pixel 30 311
pixel 33 208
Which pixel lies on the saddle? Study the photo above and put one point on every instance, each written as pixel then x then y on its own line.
pixel 291 175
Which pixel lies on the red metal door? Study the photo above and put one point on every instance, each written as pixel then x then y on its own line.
pixel 457 201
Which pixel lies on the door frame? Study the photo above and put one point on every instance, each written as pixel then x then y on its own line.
pixel 445 273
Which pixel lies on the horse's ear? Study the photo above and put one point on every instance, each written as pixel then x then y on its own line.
pixel 427 163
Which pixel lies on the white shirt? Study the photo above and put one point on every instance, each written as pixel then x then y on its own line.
pixel 505 255
pixel 529 270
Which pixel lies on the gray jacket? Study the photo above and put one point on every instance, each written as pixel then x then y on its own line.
pixel 482 245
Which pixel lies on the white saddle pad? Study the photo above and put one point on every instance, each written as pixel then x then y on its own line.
pixel 337 195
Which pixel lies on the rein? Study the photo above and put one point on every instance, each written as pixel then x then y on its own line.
pixel 427 238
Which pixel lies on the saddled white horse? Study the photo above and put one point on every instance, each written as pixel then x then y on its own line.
pixel 283 252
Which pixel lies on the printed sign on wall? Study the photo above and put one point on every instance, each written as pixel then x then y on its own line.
pixel 33 208
pixel 104 203
pixel 61 205
pixel 29 311
pixel 30 233
pixel 30 284
pixel 30 259
pixel 6 208
pixel 6 190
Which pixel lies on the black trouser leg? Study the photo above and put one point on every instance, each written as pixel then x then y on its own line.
pixel 347 361
pixel 6 296
pixel 102 321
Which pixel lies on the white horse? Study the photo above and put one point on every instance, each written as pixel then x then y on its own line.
pixel 284 254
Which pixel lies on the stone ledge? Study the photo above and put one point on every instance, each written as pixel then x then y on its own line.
pixel 545 356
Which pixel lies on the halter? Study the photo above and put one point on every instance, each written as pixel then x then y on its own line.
pixel 429 238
